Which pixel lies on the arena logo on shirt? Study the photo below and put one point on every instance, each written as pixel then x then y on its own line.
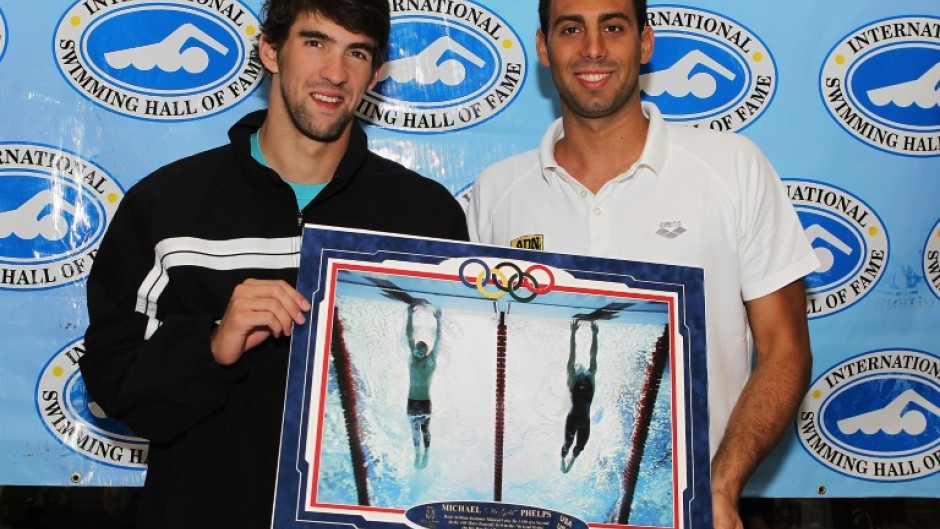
pixel 78 422
pixel 707 70
pixel 849 239
pixel 54 209
pixel 160 60
pixel 932 260
pixel 880 84
pixel 450 65
pixel 875 416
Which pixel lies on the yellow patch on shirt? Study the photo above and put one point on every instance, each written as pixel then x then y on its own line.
pixel 529 242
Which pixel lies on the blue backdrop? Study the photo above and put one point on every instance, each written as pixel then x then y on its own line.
pixel 843 98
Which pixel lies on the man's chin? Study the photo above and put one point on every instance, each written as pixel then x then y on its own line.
pixel 329 134
pixel 325 132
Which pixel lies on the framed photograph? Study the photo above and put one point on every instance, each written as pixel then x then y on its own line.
pixel 442 385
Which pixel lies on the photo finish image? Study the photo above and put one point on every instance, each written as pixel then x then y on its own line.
pixel 456 389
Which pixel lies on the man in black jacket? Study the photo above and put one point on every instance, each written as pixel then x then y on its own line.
pixel 191 297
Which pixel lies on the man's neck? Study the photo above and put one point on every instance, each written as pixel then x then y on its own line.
pixel 595 151
pixel 297 158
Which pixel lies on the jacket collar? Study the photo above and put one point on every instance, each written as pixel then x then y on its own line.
pixel 353 158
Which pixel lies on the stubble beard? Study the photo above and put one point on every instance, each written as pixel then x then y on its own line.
pixel 304 122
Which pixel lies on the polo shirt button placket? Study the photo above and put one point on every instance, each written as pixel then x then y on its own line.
pixel 600 231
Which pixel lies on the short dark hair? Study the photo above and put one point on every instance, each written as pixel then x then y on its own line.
pixel 371 18
pixel 639 10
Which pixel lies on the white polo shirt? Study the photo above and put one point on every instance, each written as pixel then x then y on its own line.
pixel 694 198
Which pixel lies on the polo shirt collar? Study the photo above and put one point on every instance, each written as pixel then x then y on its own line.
pixel 654 151
pixel 554 133
pixel 657 140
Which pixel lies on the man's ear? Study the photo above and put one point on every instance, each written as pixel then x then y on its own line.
pixel 646 45
pixel 541 47
pixel 375 76
pixel 267 52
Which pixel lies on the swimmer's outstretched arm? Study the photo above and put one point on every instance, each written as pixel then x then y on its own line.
pixel 571 354
pixel 437 333
pixel 410 328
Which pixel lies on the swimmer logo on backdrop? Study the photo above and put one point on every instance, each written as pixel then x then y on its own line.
pixel 54 209
pixel 451 65
pixel 932 260
pixel 880 84
pixel 160 60
pixel 849 239
pixel 707 70
pixel 79 424
pixel 875 416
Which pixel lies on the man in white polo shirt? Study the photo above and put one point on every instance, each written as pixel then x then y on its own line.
pixel 611 178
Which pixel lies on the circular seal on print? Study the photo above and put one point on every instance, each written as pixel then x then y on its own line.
pixel 707 70
pixel 849 239
pixel 932 260
pixel 449 66
pixel 160 60
pixel 879 83
pixel 875 416
pixel 54 209
pixel 77 421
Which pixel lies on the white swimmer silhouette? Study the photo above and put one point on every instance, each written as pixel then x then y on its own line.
pixel 168 54
pixel 29 221
pixel 892 419
pixel 923 91
pixel 424 68
pixel 676 81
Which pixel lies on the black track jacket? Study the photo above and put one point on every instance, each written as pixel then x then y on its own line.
pixel 181 240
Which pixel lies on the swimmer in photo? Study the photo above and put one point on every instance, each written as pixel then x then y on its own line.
pixel 421 365
pixel 581 387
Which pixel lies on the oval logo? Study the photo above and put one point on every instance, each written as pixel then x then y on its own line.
pixel 883 91
pixel 707 70
pixel 42 225
pixel 849 239
pixel 446 69
pixel 159 60
pixel 54 209
pixel 932 259
pixel 876 416
pixel 3 34
pixel 78 423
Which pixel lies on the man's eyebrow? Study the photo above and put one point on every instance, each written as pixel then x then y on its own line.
pixel 579 19
pixel 366 45
pixel 606 17
pixel 315 34
pixel 362 45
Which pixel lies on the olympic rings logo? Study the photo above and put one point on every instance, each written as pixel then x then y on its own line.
pixel 476 273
